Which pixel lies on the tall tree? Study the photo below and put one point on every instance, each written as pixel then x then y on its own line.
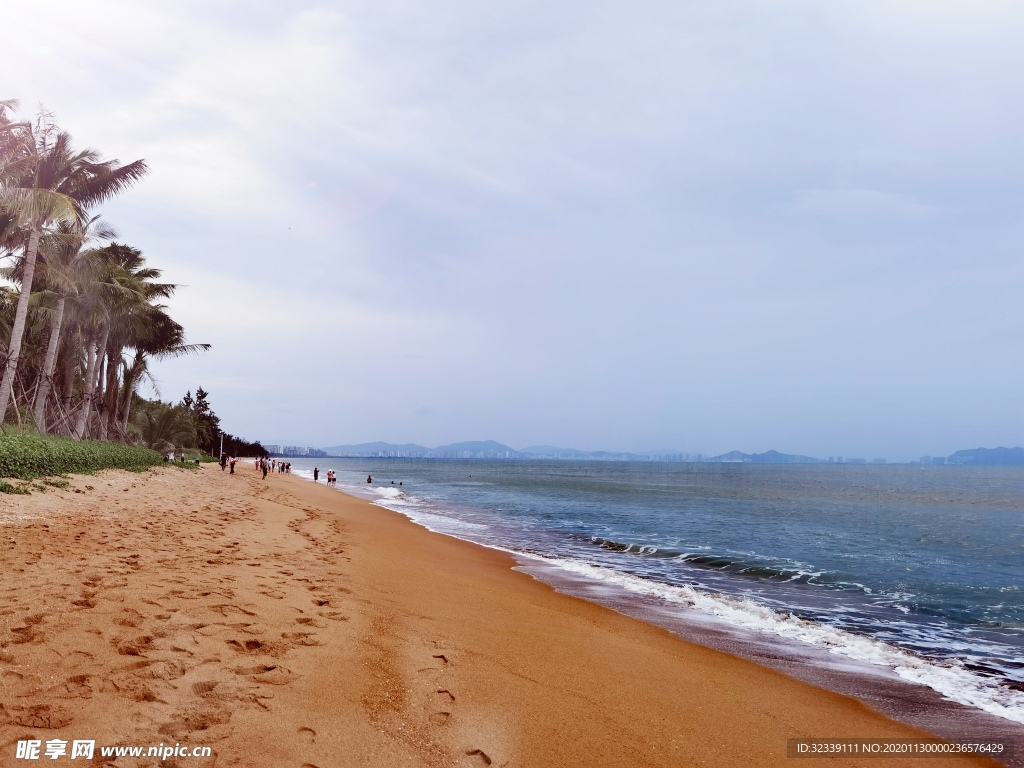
pixel 64 261
pixel 163 338
pixel 43 181
pixel 165 427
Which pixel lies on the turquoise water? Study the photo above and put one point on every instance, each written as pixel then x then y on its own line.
pixel 917 569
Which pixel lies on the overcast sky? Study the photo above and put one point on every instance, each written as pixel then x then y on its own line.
pixel 707 226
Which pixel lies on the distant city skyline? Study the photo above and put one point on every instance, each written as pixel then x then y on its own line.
pixel 493 449
pixel 714 227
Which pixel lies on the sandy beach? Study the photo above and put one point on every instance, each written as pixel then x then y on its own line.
pixel 282 623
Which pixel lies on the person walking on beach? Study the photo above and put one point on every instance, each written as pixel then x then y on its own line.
pixel 316 474
pixel 232 463
pixel 264 465
pixel 223 460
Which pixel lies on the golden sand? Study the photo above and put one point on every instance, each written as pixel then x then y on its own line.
pixel 282 623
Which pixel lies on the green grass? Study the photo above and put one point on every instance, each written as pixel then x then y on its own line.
pixel 27 457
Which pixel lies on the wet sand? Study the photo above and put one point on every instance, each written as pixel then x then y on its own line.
pixel 283 623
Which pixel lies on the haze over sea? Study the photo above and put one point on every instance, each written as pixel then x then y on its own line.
pixel 910 571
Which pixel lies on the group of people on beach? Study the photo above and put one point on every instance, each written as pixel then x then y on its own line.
pixel 331 477
pixel 226 460
pixel 273 465
pixel 282 467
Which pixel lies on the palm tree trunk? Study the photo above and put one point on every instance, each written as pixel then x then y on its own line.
pixel 100 398
pixel 132 376
pixel 20 316
pixel 46 380
pixel 109 424
pixel 95 354
pixel 72 359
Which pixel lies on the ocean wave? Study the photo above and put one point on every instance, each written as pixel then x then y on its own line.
pixel 388 492
pixel 952 679
pixel 731 564
pixel 423 514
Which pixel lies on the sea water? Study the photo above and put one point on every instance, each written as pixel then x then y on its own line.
pixel 915 571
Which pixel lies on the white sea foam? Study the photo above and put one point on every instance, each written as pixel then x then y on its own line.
pixel 419 513
pixel 952 680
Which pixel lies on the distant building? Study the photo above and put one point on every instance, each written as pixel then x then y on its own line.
pixel 938 460
pixel 926 459
pixel 294 451
pixel 878 461
pixel 856 461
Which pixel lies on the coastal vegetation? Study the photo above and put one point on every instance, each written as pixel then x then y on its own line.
pixel 31 456
pixel 83 315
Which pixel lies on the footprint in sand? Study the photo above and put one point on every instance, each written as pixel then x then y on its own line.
pixel 48 716
pixel 334 615
pixel 483 759
pixel 204 687
pixel 308 733
pixel 136 647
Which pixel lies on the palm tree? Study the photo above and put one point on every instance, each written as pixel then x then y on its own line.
pixel 165 427
pixel 64 263
pixel 119 293
pixel 162 338
pixel 130 311
pixel 44 182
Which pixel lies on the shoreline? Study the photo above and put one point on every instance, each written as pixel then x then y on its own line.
pixel 878 687
pixel 280 621
pixel 899 679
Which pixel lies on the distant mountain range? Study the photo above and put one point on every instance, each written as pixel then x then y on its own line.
pixel 988 457
pixel 768 457
pixel 491 449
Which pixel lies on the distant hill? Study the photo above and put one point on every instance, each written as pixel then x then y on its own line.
pixel 476 449
pixel 768 457
pixel 491 449
pixel 377 449
pixel 989 457
pixel 551 452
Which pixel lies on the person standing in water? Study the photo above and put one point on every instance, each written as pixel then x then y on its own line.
pixel 369 478
pixel 316 474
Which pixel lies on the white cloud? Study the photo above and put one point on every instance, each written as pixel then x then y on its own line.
pixel 457 209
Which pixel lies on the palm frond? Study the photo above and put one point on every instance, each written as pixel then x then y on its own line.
pixel 38 205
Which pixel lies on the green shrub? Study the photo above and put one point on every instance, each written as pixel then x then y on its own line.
pixel 6 487
pixel 30 456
